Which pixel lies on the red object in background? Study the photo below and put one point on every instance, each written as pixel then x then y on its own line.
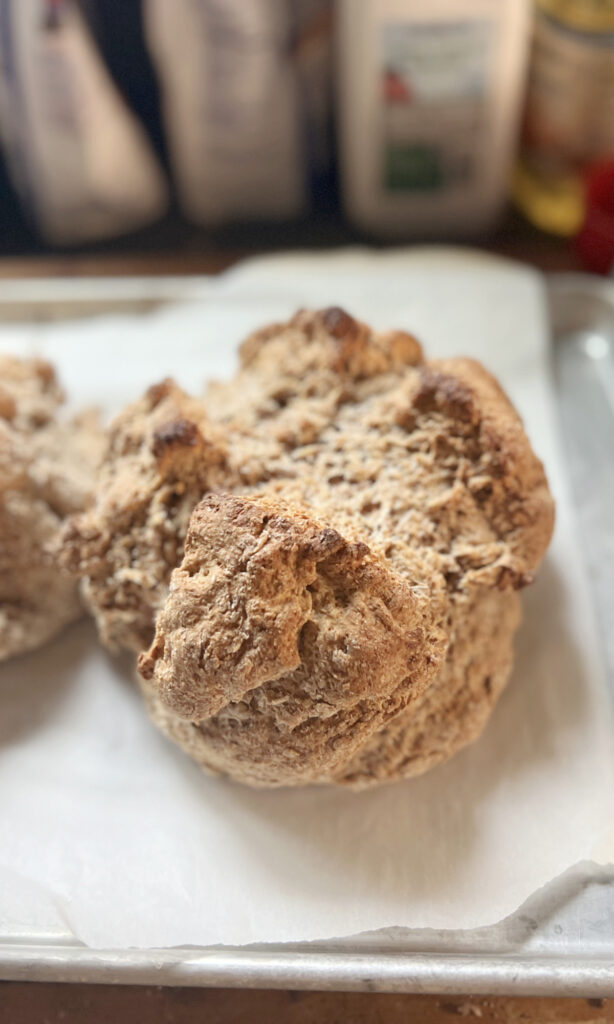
pixel 595 242
pixel 395 88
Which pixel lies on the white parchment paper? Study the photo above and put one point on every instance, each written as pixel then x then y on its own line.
pixel 110 833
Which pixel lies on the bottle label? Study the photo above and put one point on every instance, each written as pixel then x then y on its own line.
pixel 569 119
pixel 434 85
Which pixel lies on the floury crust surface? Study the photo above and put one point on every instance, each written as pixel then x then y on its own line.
pixel 347 600
pixel 47 467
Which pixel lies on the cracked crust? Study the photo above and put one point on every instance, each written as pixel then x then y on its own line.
pixel 426 466
pixel 454 711
pixel 162 455
pixel 287 643
pixel 46 474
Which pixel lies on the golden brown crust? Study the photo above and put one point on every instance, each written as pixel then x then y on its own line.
pixel 331 343
pixel 455 709
pixel 30 394
pixel 515 497
pixel 346 603
pixel 162 455
pixel 287 643
pixel 238 602
pixel 426 466
pixel 46 473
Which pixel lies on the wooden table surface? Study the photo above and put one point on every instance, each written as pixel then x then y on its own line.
pixel 179 249
pixel 104 1004
pixel 42 1003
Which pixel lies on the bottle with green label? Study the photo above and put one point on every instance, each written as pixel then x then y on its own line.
pixel 429 102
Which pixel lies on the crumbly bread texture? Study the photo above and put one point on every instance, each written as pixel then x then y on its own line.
pixel 161 456
pixel 288 644
pixel 345 610
pixel 455 709
pixel 47 468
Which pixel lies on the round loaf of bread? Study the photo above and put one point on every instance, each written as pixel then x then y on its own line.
pixel 346 604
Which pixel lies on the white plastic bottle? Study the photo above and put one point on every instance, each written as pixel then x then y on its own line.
pixel 429 98
pixel 245 91
pixel 78 156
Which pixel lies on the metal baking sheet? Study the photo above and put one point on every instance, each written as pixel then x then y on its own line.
pixel 561 941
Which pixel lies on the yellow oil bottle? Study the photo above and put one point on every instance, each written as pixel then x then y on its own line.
pixel 569 111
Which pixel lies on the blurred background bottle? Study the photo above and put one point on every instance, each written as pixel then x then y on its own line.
pixel 429 104
pixel 569 112
pixel 79 159
pixel 245 103
pixel 160 119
